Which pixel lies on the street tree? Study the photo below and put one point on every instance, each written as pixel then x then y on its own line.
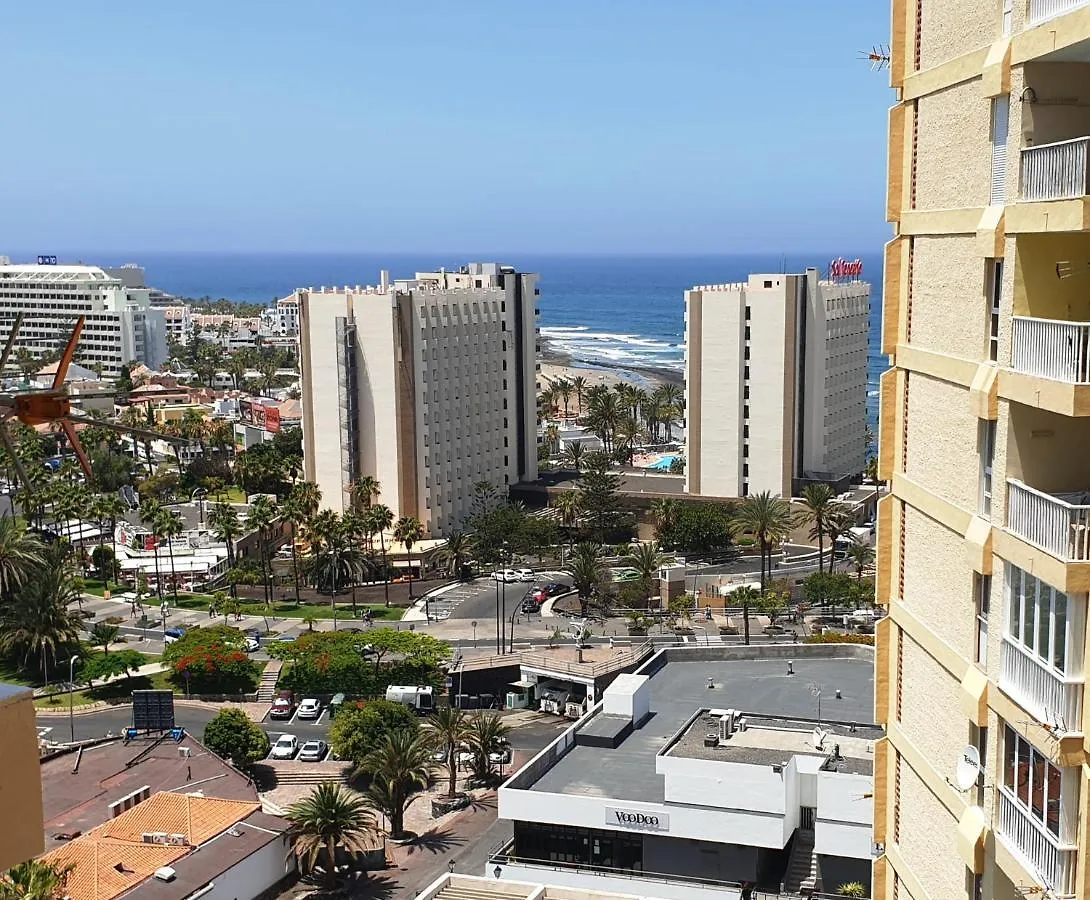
pixel 236 737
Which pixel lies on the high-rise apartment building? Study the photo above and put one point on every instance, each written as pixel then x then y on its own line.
pixel 120 324
pixel 427 384
pixel 776 383
pixel 984 541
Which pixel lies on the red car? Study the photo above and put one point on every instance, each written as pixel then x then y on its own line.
pixel 283 706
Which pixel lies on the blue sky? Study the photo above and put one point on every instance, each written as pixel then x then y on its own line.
pixel 676 126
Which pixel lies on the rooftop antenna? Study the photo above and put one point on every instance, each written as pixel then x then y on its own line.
pixel 877 56
pixel 815 690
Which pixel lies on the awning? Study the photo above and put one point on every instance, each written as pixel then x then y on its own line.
pixel 523 684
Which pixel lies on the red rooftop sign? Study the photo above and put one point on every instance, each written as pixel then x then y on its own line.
pixel 844 268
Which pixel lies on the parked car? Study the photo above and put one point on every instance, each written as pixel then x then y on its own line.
pixel 530 605
pixel 313 751
pixel 283 706
pixel 539 597
pixel 525 574
pixel 173 634
pixel 505 575
pixel 252 644
pixel 310 709
pixel 285 747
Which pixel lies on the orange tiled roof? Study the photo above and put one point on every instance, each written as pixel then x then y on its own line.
pixel 97 856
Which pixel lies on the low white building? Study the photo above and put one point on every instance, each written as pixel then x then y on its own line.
pixel 708 770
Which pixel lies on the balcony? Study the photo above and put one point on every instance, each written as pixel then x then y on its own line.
pixel 1055 171
pixel 1039 849
pixel 1038 689
pixel 1059 524
pixel 1043 10
pixel 1049 348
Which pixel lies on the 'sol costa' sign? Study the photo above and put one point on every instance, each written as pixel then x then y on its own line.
pixel 845 268
pixel 634 818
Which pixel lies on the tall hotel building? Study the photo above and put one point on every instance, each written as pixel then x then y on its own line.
pixel 984 542
pixel 776 383
pixel 120 325
pixel 428 384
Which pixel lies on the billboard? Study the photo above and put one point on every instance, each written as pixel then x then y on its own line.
pixel 246 412
pixel 258 415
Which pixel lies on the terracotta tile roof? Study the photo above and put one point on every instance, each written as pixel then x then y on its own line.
pixel 113 858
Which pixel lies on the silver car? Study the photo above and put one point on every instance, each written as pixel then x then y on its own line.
pixel 313 751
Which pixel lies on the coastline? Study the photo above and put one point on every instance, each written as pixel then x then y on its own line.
pixel 556 366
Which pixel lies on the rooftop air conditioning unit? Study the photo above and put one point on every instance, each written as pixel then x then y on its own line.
pixel 726 725
pixel 178 840
pixel 164 873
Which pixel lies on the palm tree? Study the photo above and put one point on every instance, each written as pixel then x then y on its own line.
pixel 382 518
pixel 568 505
pixel 331 816
pixel 646 559
pixel 564 391
pixel 34 880
pixel 223 520
pixel 579 385
pixel 862 556
pixel 38 622
pixel 574 452
pixel 295 514
pixel 170 525
pixel 451 728
pixel 364 491
pixel 261 516
pixel 487 735
pixel 102 635
pixel 151 512
pixel 746 596
pixel 20 554
pixel 839 520
pixel 110 508
pixel 400 768
pixel 588 572
pixel 817 500
pixel 408 530
pixel 454 553
pixel 665 512
pixel 769 519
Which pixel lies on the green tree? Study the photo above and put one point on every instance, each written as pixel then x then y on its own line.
pixel 827 588
pixel 454 553
pixel 770 520
pixel 647 560
pixel 104 560
pixel 451 729
pixel 151 514
pixel 34 880
pixel 330 817
pixel 487 735
pixel 772 604
pixel 223 520
pixel 400 767
pixel 212 659
pixel 588 574
pixel 365 491
pixel 568 507
pixel 102 635
pixel 696 527
pixel 747 597
pixel 37 623
pixel 817 501
pixel 409 531
pixel 101 666
pixel 20 554
pixel 262 515
pixel 381 519
pixel 169 525
pixel 359 730
pixel 861 556
pixel 298 509
pixel 599 495
pixel 574 454
pixel 234 736
pixel 664 513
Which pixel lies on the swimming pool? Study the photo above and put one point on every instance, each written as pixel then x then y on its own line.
pixel 663 465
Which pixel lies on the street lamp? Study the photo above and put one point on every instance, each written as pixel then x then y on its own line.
pixel 199 494
pixel 71 678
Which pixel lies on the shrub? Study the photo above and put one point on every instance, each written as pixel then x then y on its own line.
pixel 840 637
pixel 212 660
pixel 361 728
pixel 852 889
pixel 232 735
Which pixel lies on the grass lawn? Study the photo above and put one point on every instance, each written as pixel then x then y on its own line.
pixel 96 587
pixel 113 690
pixel 11 674
pixel 233 494
pixel 288 610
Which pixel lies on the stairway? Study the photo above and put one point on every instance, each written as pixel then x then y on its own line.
pixel 266 688
pixel 801 874
pixel 457 889
pixel 291 771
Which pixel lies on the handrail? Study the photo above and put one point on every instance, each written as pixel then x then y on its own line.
pixel 1075 140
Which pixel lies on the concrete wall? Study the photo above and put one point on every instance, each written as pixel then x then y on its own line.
pixel 929 851
pixel 1061 102
pixel 930 708
pixel 20 778
pixel 629 885
pixel 254 874
pixel 1039 450
pixel 953 134
pixel 953 27
pixel 700 859
pixel 773 320
pixel 949 312
pixel 942 449
pixel 1037 290
pixel 844 815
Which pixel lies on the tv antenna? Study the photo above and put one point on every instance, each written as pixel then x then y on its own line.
pixel 877 56
pixel 815 691
pixel 1067 269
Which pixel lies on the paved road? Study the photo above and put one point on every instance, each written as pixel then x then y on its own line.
pixel 477 600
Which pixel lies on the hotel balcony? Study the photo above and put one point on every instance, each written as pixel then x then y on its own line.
pixel 1059 524
pixel 1038 689
pixel 1041 11
pixel 1049 365
pixel 1055 171
pixel 1036 848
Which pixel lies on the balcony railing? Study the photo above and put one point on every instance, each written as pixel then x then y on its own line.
pixel 1055 171
pixel 1043 10
pixel 1058 524
pixel 1055 863
pixel 1040 690
pixel 1051 349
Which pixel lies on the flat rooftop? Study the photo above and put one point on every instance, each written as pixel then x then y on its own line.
pixel 770 741
pixel 757 687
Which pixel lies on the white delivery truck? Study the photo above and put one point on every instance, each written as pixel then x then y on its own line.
pixel 418 697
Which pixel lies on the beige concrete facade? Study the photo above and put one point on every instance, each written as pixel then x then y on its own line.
pixel 775 374
pixel 428 384
pixel 20 778
pixel 983 552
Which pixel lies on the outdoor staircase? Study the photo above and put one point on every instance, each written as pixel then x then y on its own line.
pixel 293 772
pixel 266 688
pixel 458 890
pixel 802 867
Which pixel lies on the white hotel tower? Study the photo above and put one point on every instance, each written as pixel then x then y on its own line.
pixel 776 383
pixel 428 384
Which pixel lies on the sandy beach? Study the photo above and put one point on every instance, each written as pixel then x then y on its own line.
pixel 558 366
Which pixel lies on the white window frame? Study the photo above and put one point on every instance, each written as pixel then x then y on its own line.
pixel 994 289
pixel 1035 758
pixel 1045 605
pixel 987 464
pixel 982 589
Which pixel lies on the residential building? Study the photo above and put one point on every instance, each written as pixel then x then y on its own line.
pixel 428 384
pixel 282 319
pixel 179 323
pixel 120 324
pixel 707 770
pixel 983 557
pixel 776 383
pixel 20 781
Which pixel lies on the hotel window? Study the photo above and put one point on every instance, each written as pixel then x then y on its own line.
pixel 1032 781
pixel 993 290
pixel 978 737
pixel 982 587
pixel 987 461
pixel 1037 619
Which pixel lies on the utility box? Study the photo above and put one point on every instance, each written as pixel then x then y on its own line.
pixel 671 582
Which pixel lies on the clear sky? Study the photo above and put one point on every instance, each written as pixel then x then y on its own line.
pixel 674 126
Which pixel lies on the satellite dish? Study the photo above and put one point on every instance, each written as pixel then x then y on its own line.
pixel 968 768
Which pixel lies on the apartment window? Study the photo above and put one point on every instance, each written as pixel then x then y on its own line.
pixel 994 289
pixel 747 313
pixel 987 462
pixel 1000 116
pixel 978 737
pixel 1032 781
pixel 982 588
pixel 1037 618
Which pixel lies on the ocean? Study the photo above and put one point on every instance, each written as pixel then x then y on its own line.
pixel 597 309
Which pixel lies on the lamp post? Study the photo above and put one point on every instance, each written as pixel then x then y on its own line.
pixel 199 494
pixel 71 718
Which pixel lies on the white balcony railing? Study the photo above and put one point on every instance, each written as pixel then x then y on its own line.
pixel 1051 349
pixel 1040 690
pixel 1058 524
pixel 1055 171
pixel 1043 10
pixel 1055 863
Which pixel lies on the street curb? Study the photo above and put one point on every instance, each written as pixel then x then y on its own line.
pixel 90 708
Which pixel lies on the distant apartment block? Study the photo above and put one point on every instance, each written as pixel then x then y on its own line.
pixel 283 318
pixel 428 384
pixel 776 383
pixel 120 327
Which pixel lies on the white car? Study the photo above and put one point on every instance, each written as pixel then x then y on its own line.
pixel 525 574
pixel 252 645
pixel 505 575
pixel 285 747
pixel 313 751
pixel 309 709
